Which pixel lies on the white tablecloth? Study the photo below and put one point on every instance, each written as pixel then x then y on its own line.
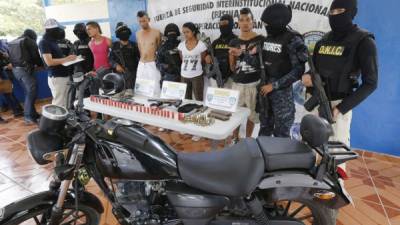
pixel 220 130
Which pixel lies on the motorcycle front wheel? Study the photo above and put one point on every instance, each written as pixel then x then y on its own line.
pixel 84 215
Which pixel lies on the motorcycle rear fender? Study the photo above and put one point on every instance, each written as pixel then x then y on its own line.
pixel 47 198
pixel 292 185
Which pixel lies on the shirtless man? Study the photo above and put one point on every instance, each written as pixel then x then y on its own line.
pixel 148 40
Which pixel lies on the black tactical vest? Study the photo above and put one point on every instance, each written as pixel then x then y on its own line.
pixel 65 46
pixel 276 56
pixel 82 48
pixel 221 52
pixel 336 60
pixel 127 55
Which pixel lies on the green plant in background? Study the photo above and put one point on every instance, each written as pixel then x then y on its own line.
pixel 18 15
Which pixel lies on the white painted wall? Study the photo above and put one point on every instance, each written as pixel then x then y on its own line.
pixel 78 12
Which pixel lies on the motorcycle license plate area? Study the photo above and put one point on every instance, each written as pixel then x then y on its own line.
pixel 341 183
pixel 272 222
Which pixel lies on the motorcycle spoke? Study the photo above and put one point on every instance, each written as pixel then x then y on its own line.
pixel 305 217
pixel 67 215
pixel 285 213
pixel 36 220
pixel 74 219
pixel 293 214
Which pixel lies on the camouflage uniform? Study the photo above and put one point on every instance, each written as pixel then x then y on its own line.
pixel 279 117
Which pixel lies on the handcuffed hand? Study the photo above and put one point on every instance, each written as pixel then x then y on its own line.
pixel 306 79
pixel 119 69
pixel 235 51
pixel 266 89
pixel 208 59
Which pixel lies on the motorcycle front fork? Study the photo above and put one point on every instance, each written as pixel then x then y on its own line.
pixel 57 210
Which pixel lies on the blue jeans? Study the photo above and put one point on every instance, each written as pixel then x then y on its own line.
pixel 8 98
pixel 28 82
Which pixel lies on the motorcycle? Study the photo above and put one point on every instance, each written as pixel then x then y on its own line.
pixel 272 181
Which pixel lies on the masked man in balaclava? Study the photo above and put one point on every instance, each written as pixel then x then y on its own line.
pixel 284 57
pixel 341 57
pixel 221 49
pixel 124 56
pixel 168 60
pixel 81 47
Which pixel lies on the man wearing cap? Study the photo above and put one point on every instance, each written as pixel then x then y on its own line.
pixel 54 58
pixel 124 56
pixel 24 56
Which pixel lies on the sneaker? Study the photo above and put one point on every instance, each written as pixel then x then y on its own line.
pixel 99 116
pixel 30 121
pixel 196 138
pixel 3 109
pixel 233 142
pixel 18 114
pixel 2 121
pixel 36 116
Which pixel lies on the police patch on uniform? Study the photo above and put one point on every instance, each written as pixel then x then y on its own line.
pixel 221 46
pixel 272 47
pixel 331 50
pixel 311 38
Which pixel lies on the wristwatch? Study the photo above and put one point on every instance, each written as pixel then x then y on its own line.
pixel 275 85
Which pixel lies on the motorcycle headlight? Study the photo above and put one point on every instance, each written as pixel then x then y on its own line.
pixel 40 144
pixel 53 119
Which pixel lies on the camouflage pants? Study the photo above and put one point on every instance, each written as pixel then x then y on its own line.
pixel 279 118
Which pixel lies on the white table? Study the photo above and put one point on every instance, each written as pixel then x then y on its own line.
pixel 218 131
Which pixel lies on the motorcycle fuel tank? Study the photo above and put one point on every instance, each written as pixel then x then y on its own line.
pixel 131 152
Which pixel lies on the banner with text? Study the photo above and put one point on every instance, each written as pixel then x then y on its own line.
pixel 310 18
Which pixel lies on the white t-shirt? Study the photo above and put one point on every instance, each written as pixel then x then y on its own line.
pixel 191 60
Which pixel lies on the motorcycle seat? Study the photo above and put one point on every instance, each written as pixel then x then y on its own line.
pixel 233 171
pixel 285 153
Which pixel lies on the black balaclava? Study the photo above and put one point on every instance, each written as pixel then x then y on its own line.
pixel 277 16
pixel 55 33
pixel 122 31
pixel 226 30
pixel 80 31
pixel 172 32
pixel 62 35
pixel 30 34
pixel 343 23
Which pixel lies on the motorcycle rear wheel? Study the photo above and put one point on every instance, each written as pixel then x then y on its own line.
pixel 306 211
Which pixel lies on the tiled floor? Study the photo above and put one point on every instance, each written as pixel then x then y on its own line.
pixel 374 183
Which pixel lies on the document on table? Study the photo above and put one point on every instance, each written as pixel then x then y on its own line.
pixel 79 58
